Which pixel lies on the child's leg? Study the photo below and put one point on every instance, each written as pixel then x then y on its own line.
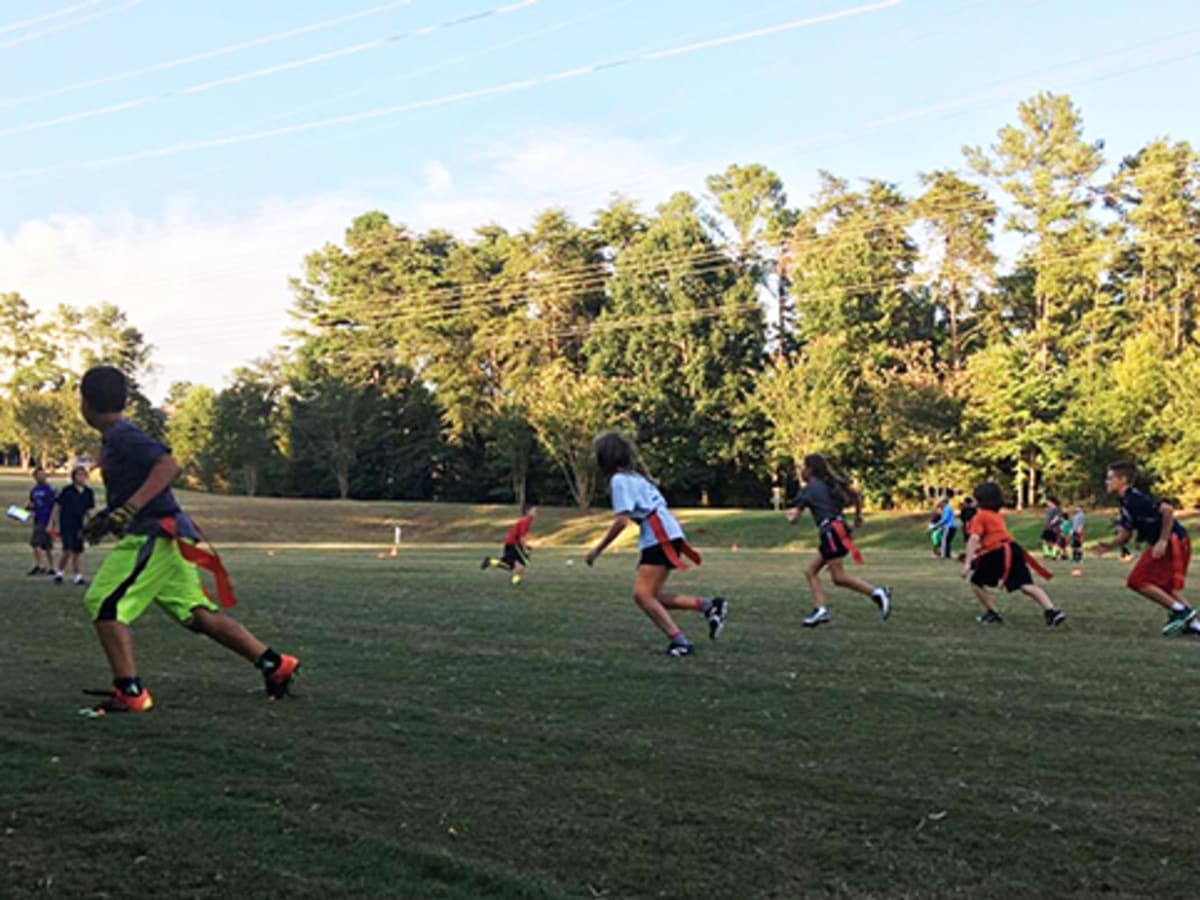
pixel 1158 595
pixel 985 599
pixel 77 563
pixel 842 578
pixel 647 586
pixel 228 633
pixel 812 573
pixel 1040 596
pixel 117 641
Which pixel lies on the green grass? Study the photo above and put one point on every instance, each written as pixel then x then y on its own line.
pixel 454 737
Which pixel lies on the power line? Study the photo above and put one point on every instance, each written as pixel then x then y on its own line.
pixel 67 26
pixel 449 99
pixel 46 17
pixel 264 72
pixel 261 41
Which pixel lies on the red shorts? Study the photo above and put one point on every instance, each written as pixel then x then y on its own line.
pixel 1168 573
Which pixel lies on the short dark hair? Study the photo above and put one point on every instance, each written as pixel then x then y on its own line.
pixel 105 389
pixel 989 496
pixel 614 453
pixel 1126 470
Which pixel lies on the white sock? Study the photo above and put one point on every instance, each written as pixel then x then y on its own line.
pixel 78 578
pixel 58 573
pixel 1177 607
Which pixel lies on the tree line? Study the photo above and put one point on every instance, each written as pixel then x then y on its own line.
pixel 731 333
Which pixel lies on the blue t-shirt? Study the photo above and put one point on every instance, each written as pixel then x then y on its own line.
pixel 41 504
pixel 637 497
pixel 73 505
pixel 1140 515
pixel 127 454
pixel 947 516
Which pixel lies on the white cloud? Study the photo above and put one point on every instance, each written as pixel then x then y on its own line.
pixel 211 293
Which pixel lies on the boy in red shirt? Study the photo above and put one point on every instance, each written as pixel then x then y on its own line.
pixel 515 557
pixel 994 559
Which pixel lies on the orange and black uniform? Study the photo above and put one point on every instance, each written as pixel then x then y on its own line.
pixel 1000 561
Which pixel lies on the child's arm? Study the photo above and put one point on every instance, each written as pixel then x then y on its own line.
pixel 114 521
pixel 620 523
pixel 1122 538
pixel 969 556
pixel 1168 524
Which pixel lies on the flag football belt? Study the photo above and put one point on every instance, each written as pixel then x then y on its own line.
pixel 668 546
pixel 838 527
pixel 1029 561
pixel 206 559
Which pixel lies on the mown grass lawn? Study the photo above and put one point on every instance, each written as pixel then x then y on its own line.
pixel 455 737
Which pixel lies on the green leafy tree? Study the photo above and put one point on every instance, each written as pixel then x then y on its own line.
pixel 191 432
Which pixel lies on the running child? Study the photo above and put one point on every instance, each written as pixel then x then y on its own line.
pixel 1160 572
pixel 71 509
pixel 635 498
pixel 515 556
pixel 994 559
pixel 41 504
pixel 156 557
pixel 826 495
pixel 1078 524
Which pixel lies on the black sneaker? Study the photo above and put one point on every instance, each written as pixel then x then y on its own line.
pixel 36 570
pixel 1055 617
pixel 716 617
pixel 819 616
pixel 990 618
pixel 486 562
pixel 58 578
pixel 680 646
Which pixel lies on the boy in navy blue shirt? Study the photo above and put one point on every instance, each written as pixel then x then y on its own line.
pixel 1160 572
pixel 155 560
pixel 71 510
pixel 41 504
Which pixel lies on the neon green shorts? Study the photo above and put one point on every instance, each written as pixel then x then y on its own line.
pixel 141 571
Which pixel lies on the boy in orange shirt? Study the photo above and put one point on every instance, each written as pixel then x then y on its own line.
pixel 515 557
pixel 994 559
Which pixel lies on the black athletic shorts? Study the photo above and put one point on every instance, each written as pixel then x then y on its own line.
pixel 514 556
pixel 72 540
pixel 656 556
pixel 832 546
pixel 1049 536
pixel 989 569
pixel 40 539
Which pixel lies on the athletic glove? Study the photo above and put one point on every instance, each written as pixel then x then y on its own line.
pixel 108 521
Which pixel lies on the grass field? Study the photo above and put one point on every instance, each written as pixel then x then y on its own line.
pixel 454 737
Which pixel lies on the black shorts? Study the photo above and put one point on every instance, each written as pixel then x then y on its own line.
pixel 1049 536
pixel 831 546
pixel 513 556
pixel 40 539
pixel 656 556
pixel 72 540
pixel 989 569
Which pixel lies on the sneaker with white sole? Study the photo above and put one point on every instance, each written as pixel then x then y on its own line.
pixel 882 597
pixel 1178 620
pixel 680 646
pixel 716 617
pixel 1055 617
pixel 819 616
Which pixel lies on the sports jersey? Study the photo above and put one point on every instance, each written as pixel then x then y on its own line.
pixel 41 502
pixel 127 454
pixel 818 499
pixel 516 534
pixel 990 528
pixel 1140 515
pixel 638 497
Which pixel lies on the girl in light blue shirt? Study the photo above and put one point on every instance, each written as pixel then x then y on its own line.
pixel 635 498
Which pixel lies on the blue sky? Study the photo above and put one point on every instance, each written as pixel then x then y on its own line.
pixel 197 241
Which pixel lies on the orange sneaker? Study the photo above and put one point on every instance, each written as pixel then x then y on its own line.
pixel 280 679
pixel 120 702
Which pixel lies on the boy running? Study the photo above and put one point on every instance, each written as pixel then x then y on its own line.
pixel 41 504
pixel 71 509
pixel 154 561
pixel 994 559
pixel 515 556
pixel 826 494
pixel 635 498
pixel 1160 572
